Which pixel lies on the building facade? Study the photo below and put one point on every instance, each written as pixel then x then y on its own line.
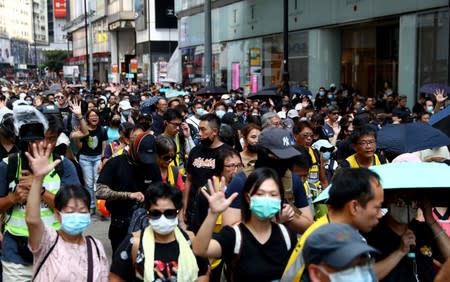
pixel 99 45
pixel 156 38
pixel 126 37
pixel 358 42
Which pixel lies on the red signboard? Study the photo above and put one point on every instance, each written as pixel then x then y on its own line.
pixel 59 8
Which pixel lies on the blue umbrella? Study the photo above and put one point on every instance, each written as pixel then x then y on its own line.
pixel 441 120
pixel 407 175
pixel 148 104
pixel 301 91
pixel 410 137
pixel 430 88
pixel 175 93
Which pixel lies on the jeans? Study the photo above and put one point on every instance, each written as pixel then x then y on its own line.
pixel 89 165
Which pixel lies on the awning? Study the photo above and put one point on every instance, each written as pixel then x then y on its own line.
pixel 99 57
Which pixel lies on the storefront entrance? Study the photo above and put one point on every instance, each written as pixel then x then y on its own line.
pixel 370 56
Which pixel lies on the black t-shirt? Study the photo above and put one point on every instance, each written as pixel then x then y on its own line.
pixel 257 262
pixel 165 261
pixel 92 144
pixel 387 241
pixel 200 165
pixel 120 175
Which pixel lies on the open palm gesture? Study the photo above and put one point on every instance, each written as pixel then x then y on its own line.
pixel 38 159
pixel 75 106
pixel 440 95
pixel 216 196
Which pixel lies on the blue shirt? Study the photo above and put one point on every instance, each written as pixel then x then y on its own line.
pixel 238 182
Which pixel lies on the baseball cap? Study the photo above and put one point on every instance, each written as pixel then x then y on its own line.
pixel 332 85
pixel 278 141
pixel 124 105
pixel 225 97
pixel 239 102
pixel 233 120
pixel 282 114
pixel 145 148
pixel 5 89
pixel 292 113
pixel 322 143
pixel 336 245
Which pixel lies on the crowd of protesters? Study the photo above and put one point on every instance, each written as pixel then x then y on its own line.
pixel 212 186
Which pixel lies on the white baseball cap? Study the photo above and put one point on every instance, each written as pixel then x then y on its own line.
pixel 292 113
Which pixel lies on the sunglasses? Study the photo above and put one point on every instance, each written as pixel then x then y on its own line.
pixel 169 214
pixel 59 97
pixel 167 158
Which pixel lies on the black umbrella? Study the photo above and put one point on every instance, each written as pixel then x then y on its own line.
pixel 211 90
pixel 264 94
pixel 410 137
pixel 441 121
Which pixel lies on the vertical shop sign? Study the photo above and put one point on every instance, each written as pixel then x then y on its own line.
pixel 235 75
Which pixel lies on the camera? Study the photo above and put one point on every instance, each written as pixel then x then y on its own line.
pixel 30 126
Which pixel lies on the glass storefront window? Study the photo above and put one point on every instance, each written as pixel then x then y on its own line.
pixel 370 56
pixel 273 59
pixel 432 48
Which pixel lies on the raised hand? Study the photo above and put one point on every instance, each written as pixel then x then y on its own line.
pixel 75 106
pixel 440 95
pixel 216 196
pixel 186 130
pixel 38 160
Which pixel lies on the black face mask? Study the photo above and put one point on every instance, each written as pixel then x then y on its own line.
pixel 252 148
pixel 115 122
pixel 206 142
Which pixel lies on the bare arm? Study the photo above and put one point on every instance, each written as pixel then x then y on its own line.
pixel 33 214
pixel 40 167
pixel 385 266
pixel 444 274
pixel 299 223
pixel 187 188
pixel 115 278
pixel 203 244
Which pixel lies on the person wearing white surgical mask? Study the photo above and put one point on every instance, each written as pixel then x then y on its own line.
pixel 220 109
pixel 338 253
pixel 414 246
pixel 161 251
pixel 326 150
pixel 84 257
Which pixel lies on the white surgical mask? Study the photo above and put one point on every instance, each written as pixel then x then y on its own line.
pixel 326 156
pixel 220 113
pixel 400 214
pixel 356 273
pixel 163 225
pixel 430 109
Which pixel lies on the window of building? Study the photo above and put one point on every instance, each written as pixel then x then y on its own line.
pixel 432 48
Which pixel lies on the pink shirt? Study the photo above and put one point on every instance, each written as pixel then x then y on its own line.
pixel 68 261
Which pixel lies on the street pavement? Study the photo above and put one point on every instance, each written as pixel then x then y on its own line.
pixel 99 230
